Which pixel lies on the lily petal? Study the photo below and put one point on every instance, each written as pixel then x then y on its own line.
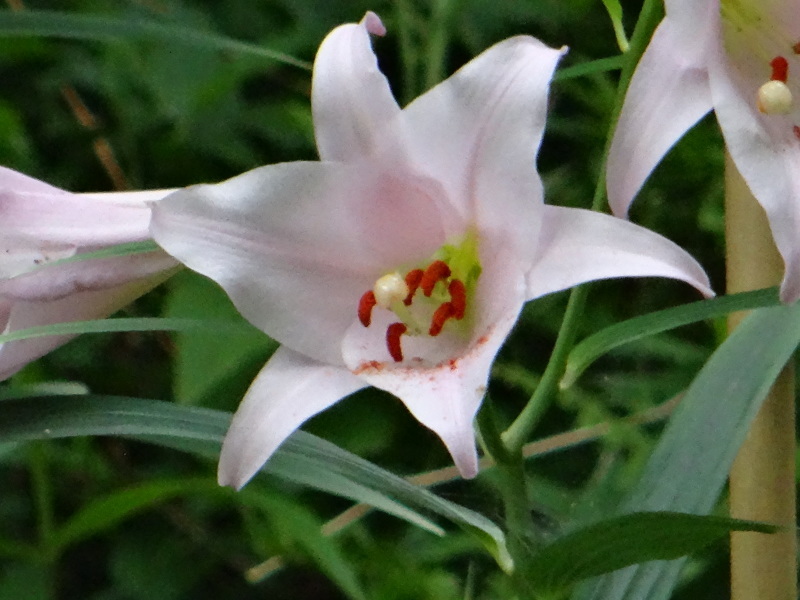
pixel 301 242
pixel 668 94
pixel 479 132
pixel 74 291
pixel 349 119
pixel 32 209
pixel 444 390
pixel 289 390
pixel 766 151
pixel 582 245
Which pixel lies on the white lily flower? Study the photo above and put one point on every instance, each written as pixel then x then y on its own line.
pixel 742 59
pixel 403 258
pixel 40 228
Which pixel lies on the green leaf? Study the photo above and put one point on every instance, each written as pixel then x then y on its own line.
pixel 103 513
pixel 205 371
pixel 601 65
pixel 302 527
pixel 615 12
pixel 130 324
pixel 606 340
pixel 690 464
pixel 622 541
pixel 102 28
pixel 303 458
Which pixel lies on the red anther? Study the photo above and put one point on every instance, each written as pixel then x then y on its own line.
pixel 435 272
pixel 458 298
pixel 444 312
pixel 780 69
pixel 796 130
pixel 365 306
pixel 393 333
pixel 412 281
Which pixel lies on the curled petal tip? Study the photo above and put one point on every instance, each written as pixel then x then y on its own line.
pixel 233 480
pixel 373 24
pixel 465 459
pixel 468 472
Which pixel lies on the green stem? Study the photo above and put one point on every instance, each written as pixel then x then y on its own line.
pixel 519 431
pixel 408 52
pixel 43 502
pixel 512 485
pixel 443 12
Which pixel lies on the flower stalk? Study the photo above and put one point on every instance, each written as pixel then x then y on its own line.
pixel 519 431
pixel 762 480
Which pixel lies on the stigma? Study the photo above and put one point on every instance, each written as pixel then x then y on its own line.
pixel 775 97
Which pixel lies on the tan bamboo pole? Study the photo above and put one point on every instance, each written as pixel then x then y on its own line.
pixel 762 480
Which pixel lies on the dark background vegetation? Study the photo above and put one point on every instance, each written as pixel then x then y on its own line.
pixel 176 115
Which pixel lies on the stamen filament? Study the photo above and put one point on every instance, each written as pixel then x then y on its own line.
pixel 393 333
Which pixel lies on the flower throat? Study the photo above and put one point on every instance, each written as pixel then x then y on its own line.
pixel 447 286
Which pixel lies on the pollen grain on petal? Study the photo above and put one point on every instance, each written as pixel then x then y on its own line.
pixel 444 312
pixel 365 306
pixel 435 272
pixel 393 333
pixel 780 69
pixel 796 48
pixel 413 279
pixel 458 298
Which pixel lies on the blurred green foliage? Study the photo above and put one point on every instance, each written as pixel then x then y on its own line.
pixel 176 114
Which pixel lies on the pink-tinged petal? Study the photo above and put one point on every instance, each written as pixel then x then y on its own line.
pixel 289 390
pixel 20 254
pixel 668 94
pixel 479 132
pixel 34 212
pixel 442 381
pixel 74 291
pixel 581 245
pixel 765 148
pixel 136 198
pixel 57 281
pixel 296 245
pixel 350 99
pixel 14 180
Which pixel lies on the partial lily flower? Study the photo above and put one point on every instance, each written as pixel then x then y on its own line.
pixel 402 259
pixel 43 278
pixel 741 58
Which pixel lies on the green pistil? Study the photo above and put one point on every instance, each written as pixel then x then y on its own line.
pixel 463 260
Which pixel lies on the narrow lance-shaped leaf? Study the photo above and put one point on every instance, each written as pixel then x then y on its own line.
pixel 95 27
pixel 303 459
pixel 689 466
pixel 606 340
pixel 622 541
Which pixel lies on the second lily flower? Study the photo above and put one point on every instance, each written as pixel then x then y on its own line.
pixel 741 58
pixel 403 258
